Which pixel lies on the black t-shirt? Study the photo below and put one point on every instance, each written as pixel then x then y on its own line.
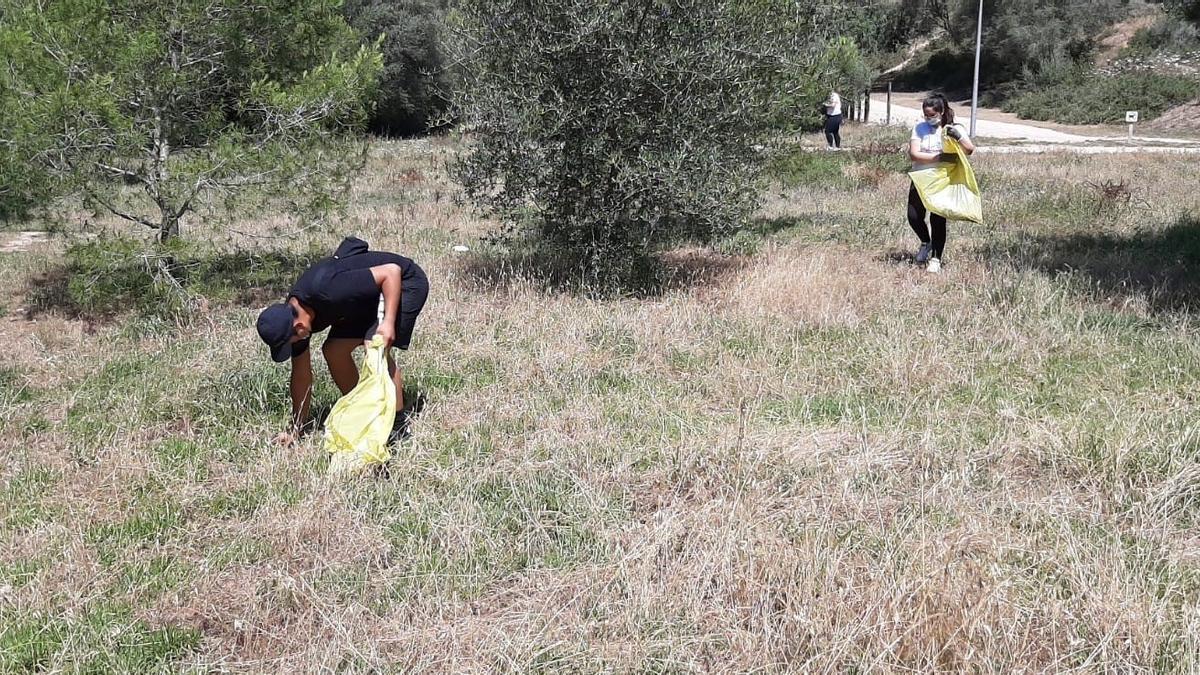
pixel 341 289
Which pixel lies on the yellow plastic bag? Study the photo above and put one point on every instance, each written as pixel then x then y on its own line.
pixel 357 429
pixel 949 189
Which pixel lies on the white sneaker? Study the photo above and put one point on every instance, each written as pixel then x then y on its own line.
pixel 923 252
pixel 934 266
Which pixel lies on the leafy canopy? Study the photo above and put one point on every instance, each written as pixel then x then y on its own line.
pixel 412 93
pixel 154 110
pixel 608 131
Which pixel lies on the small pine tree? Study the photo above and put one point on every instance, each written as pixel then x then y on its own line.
pixel 153 110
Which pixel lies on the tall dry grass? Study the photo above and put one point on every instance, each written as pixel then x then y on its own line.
pixel 803 454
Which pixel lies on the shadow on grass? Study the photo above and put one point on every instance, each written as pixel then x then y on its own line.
pixel 654 276
pixel 1162 266
pixel 898 256
pixel 245 278
pixel 651 277
pixel 765 227
pixel 96 282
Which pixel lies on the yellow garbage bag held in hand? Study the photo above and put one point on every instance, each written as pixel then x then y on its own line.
pixel 357 429
pixel 949 189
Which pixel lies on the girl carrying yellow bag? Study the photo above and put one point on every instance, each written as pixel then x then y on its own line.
pixel 943 184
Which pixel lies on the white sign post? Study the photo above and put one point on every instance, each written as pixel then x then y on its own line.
pixel 1131 118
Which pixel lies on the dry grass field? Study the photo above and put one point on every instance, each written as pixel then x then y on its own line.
pixel 796 452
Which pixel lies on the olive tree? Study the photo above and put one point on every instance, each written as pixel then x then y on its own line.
pixel 610 130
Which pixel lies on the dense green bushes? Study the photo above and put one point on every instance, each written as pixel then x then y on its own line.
pixel 605 132
pixel 944 67
pixel 1024 39
pixel 1187 9
pixel 114 274
pixel 413 88
pixel 1037 59
pixel 1168 34
pixel 1099 99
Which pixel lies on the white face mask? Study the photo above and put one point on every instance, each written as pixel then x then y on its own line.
pixel 934 120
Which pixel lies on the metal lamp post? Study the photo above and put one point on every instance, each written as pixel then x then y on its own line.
pixel 975 85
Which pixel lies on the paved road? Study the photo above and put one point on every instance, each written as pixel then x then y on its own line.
pixel 905 116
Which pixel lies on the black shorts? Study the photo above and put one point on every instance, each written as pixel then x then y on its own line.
pixel 414 292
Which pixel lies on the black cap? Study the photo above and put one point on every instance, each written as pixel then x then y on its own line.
pixel 275 329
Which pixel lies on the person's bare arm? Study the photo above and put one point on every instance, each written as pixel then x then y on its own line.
pixel 301 390
pixel 915 154
pixel 387 277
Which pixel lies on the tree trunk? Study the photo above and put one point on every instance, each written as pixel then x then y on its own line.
pixel 168 230
pixel 168 223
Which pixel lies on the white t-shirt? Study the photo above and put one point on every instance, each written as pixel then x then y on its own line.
pixel 833 106
pixel 930 137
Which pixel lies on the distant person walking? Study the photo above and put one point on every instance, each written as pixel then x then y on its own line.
pixel 832 108
pixel 925 150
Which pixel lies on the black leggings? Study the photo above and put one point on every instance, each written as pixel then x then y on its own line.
pixel 916 220
pixel 833 129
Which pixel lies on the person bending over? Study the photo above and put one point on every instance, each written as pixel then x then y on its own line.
pixel 342 293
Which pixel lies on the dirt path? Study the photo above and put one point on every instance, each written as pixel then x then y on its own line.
pixel 1120 35
pixel 1040 149
pixel 997 124
pixel 908 57
pixel 14 242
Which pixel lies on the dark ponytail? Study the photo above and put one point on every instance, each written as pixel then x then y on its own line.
pixel 939 103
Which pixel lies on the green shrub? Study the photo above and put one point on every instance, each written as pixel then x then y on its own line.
pixel 1189 10
pixel 1021 38
pixel 947 68
pixel 412 88
pixel 605 132
pixel 1103 99
pixel 1165 35
pixel 115 275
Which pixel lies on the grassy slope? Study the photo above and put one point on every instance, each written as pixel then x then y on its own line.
pixel 809 457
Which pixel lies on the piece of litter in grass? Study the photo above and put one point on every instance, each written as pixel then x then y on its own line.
pixel 461 249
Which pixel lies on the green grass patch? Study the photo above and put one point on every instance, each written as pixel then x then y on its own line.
pixel 104 639
pixel 246 501
pixel 240 551
pixel 19 573
pixel 460 537
pixel 23 498
pixel 856 407
pixel 15 387
pixel 155 520
pixel 221 404
pixel 799 167
pixel 148 579
pixel 469 374
pixel 131 390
